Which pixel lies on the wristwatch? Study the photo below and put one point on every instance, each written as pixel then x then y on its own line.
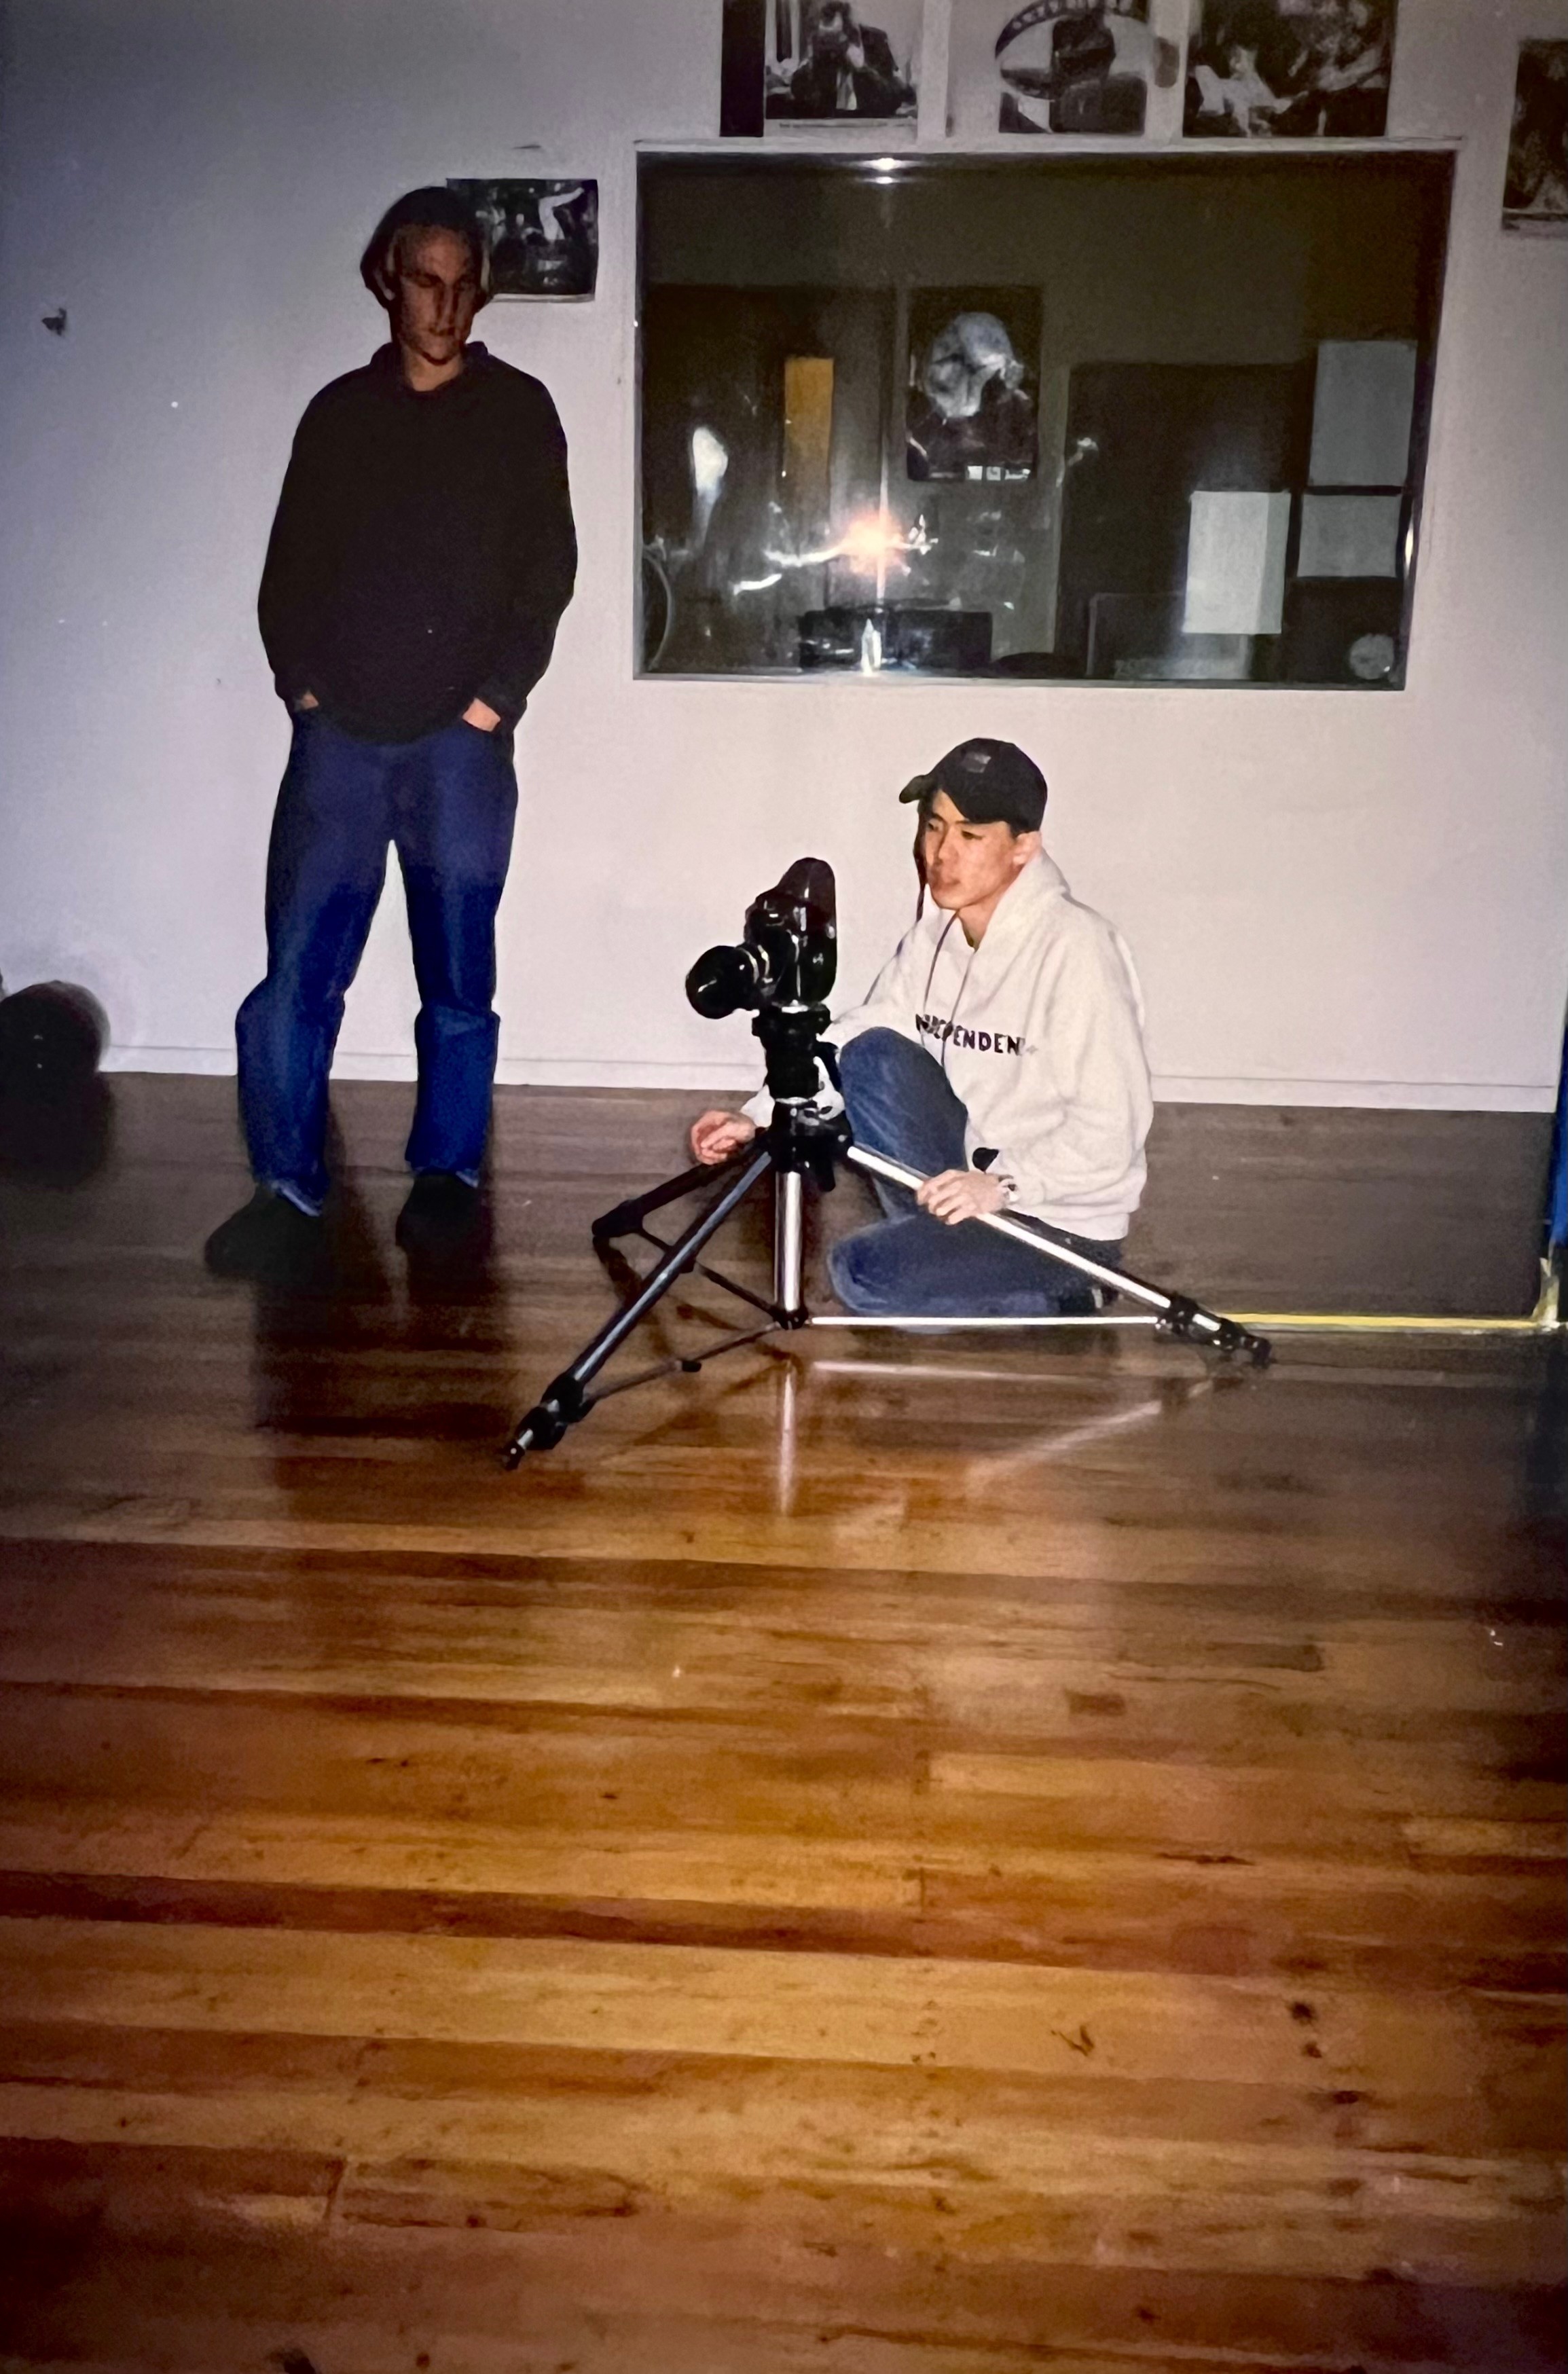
pixel 982 1158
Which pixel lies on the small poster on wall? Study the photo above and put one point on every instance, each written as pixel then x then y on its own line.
pixel 1535 195
pixel 1289 70
pixel 543 236
pixel 1054 67
pixel 972 399
pixel 819 64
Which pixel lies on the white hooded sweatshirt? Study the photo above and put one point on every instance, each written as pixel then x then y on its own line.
pixel 1039 1032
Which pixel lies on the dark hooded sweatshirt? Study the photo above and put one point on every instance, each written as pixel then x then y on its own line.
pixel 423 548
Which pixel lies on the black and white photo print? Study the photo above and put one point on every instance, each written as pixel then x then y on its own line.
pixel 543 236
pixel 1535 194
pixel 1048 66
pixel 819 62
pixel 1289 70
pixel 973 394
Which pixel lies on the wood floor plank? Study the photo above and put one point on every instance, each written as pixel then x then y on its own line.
pixel 1510 2116
pixel 1070 2198
pixel 232 2290
pixel 858 2009
pixel 831 1776
pixel 1263 1669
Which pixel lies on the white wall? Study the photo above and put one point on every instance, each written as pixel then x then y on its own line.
pixel 1332 895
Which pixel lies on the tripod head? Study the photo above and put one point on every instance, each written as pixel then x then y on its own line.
pixel 782 968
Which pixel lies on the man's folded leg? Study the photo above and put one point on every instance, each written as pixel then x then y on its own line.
pixel 900 1103
pixel 918 1267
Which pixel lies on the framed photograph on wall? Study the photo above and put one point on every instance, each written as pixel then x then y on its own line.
pixel 819 64
pixel 1289 70
pixel 1535 193
pixel 543 236
pixel 1044 67
pixel 971 410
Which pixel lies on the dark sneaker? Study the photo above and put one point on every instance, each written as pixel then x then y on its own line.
pixel 269 1238
pixel 441 1215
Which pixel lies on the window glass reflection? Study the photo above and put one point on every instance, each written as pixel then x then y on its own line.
pixel 1150 421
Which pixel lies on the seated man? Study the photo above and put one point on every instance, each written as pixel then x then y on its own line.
pixel 1001 1051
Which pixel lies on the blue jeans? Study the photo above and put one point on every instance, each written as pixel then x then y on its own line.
pixel 446 802
pixel 910 1264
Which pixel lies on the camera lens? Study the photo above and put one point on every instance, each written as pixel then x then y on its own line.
pixel 722 981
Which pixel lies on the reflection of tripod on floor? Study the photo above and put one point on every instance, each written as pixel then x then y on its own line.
pixel 801 1142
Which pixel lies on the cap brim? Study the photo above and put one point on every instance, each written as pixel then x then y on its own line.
pixel 919 788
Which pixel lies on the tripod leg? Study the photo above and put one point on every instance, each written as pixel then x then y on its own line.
pixel 627 1218
pixel 1177 1312
pixel 566 1399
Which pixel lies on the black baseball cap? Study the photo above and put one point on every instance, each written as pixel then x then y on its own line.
pixel 989 782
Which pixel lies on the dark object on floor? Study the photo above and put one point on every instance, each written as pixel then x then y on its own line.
pixel 52 1036
pixel 441 1215
pixel 54 1110
pixel 270 1240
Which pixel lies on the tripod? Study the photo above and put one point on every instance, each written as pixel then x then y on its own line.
pixel 802 1143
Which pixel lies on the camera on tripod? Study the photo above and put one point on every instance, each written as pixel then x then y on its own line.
pixel 788 956
pixel 781 971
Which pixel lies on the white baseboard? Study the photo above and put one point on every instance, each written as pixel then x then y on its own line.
pixel 203 1062
pixel 512 1071
pixel 579 1071
pixel 1401 1096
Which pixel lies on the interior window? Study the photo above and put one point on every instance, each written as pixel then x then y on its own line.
pixel 1150 421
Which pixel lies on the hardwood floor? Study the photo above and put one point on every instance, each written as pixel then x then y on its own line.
pixel 918 1859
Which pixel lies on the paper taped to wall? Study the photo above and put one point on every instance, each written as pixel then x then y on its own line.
pixel 1362 411
pixel 1350 536
pixel 1236 563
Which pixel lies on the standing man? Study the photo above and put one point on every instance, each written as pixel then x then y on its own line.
pixel 421 559
pixel 1000 1051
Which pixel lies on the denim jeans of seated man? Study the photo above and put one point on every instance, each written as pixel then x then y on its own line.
pixel 446 803
pixel 901 1104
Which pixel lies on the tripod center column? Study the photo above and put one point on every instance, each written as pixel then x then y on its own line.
pixel 789 1189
